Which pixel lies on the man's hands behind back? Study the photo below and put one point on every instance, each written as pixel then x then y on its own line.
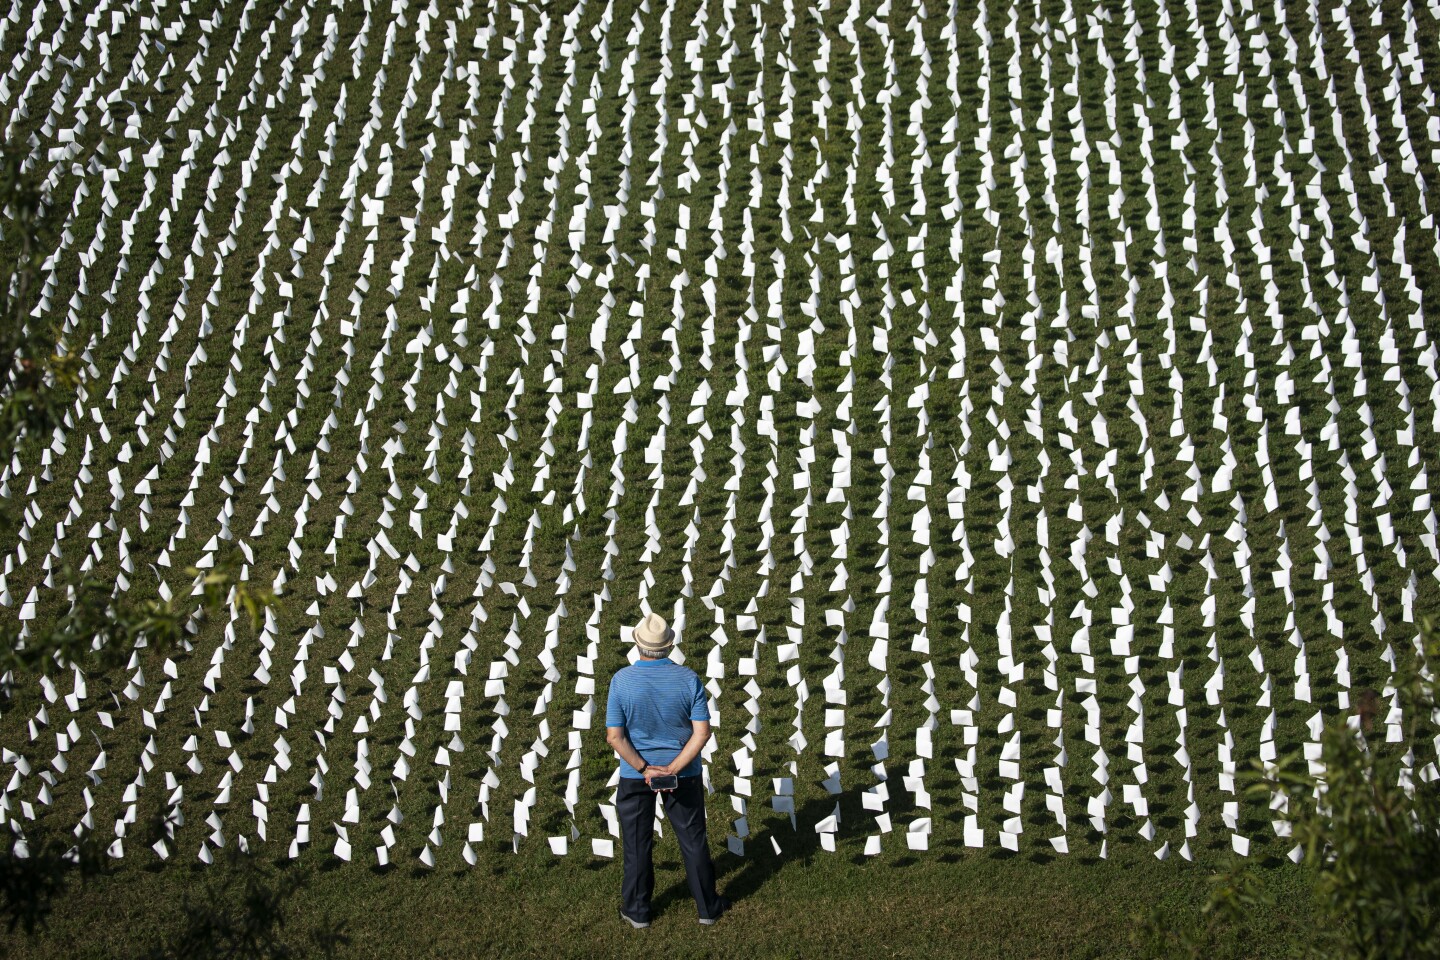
pixel 656 770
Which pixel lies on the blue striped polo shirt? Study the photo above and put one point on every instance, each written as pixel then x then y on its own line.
pixel 655 701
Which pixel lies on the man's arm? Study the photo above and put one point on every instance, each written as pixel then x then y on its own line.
pixel 619 741
pixel 699 736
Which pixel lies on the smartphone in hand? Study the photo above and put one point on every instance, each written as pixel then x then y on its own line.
pixel 668 782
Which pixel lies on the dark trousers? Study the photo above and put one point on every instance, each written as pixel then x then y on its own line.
pixel 685 810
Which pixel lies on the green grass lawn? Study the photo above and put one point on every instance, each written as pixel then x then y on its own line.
pixel 945 905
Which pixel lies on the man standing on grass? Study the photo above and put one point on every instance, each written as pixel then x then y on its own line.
pixel 657 720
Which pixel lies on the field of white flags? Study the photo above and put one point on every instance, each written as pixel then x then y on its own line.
pixel 1024 412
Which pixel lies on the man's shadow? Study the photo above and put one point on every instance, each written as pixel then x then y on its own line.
pixel 738 877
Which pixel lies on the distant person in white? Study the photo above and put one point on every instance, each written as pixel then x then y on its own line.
pixel 657 719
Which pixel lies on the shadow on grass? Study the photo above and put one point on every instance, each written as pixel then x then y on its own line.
pixel 740 878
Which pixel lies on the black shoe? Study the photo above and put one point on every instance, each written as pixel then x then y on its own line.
pixel 724 909
pixel 637 924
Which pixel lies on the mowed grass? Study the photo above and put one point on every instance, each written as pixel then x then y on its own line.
pixel 826 905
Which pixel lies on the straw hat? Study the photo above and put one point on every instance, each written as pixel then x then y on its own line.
pixel 654 636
